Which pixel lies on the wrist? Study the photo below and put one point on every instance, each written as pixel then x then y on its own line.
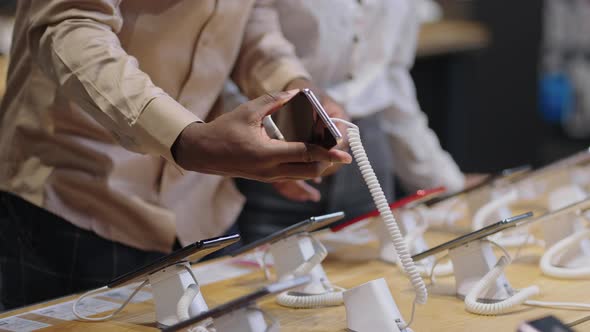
pixel 186 144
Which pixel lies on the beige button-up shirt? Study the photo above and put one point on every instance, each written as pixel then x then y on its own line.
pixel 91 81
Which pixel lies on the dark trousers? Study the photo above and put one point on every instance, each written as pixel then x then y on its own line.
pixel 266 211
pixel 43 256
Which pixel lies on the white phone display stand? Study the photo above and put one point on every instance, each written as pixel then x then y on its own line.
pixel 293 252
pixel 168 286
pixel 563 226
pixel 471 262
pixel 245 320
pixel 370 307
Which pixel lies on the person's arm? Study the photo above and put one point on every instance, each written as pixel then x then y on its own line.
pixel 420 161
pixel 76 45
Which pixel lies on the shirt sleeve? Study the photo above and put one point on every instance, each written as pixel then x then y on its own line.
pixel 420 161
pixel 267 61
pixel 76 45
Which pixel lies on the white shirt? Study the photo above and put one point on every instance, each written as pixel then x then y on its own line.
pixel 361 52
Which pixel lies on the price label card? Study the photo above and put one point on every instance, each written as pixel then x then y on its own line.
pixel 20 324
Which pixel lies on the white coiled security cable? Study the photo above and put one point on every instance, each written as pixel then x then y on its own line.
pixel 489 309
pixel 333 296
pixel 183 305
pixel 557 249
pixel 300 301
pixel 521 297
pixel 380 200
pixel 182 308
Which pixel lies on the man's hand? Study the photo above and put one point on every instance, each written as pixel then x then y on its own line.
pixel 236 144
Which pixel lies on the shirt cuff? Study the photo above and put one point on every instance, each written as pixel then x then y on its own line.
pixel 283 73
pixel 160 124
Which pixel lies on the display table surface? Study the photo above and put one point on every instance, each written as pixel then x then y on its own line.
pixel 443 312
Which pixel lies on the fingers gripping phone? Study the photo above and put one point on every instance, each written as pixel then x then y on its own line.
pixel 303 119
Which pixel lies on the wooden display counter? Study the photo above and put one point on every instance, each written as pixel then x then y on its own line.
pixel 443 312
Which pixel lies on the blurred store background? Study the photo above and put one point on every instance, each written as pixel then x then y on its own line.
pixel 521 95
pixel 503 83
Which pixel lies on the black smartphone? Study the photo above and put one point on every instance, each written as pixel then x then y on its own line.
pixel 241 302
pixel 189 253
pixel 477 235
pixel 308 225
pixel 304 119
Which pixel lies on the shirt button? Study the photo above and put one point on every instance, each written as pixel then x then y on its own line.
pixel 360 2
pixel 355 39
pixel 349 76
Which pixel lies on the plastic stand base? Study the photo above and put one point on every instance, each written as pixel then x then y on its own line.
pixel 289 254
pixel 168 286
pixel 370 307
pixel 245 320
pixel 470 263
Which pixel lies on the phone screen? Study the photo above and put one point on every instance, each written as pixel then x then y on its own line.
pixel 300 121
